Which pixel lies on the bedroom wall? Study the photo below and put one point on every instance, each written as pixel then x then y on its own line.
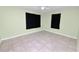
pixel 13 22
pixel 0 25
pixel 68 23
pixel 0 29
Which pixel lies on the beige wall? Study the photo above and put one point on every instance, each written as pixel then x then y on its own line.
pixel 1 26
pixel 13 22
pixel 68 23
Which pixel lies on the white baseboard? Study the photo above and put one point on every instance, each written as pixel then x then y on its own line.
pixel 37 31
pixel 19 35
pixel 63 34
pixel 0 41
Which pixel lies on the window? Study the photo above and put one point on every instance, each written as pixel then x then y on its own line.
pixel 55 21
pixel 32 21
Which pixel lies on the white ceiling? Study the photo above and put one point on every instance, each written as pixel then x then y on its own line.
pixel 47 8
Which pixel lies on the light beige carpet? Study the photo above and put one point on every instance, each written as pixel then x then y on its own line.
pixel 39 42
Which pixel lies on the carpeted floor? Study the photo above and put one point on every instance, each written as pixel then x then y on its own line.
pixel 39 42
